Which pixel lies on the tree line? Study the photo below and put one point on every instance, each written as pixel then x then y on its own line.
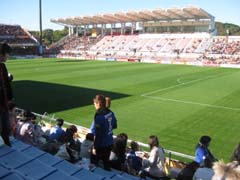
pixel 227 29
pixel 50 36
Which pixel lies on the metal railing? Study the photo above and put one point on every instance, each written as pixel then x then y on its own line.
pixel 53 119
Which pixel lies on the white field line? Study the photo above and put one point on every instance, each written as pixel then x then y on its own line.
pixel 179 81
pixel 194 103
pixel 178 85
pixel 147 95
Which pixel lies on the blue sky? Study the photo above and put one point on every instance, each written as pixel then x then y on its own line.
pixel 26 14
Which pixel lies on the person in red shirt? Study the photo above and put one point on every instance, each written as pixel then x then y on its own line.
pixel 5 94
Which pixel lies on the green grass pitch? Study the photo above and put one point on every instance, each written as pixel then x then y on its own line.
pixel 176 102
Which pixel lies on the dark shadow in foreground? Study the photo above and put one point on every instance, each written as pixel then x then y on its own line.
pixel 49 97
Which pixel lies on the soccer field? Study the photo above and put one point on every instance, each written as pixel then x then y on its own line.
pixel 176 102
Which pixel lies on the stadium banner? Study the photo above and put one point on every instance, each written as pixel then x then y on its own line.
pixel 194 63
pixel 89 57
pixel 230 65
pixel 110 59
pixel 81 57
pixel 131 60
pixel 101 59
pixel 137 60
pixel 147 60
pixel 178 62
pixel 211 65
pixel 166 62
pixel 122 59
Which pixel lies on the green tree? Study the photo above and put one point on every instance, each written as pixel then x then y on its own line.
pixel 223 28
pixel 59 34
pixel 48 36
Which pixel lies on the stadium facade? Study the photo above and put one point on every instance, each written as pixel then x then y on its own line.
pixel 169 36
pixel 172 20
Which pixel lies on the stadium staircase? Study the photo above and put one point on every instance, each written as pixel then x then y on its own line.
pixel 30 35
pixel 25 162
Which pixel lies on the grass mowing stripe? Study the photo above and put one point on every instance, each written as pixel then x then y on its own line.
pixel 193 103
pixel 178 125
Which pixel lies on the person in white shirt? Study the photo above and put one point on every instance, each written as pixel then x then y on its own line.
pixel 154 164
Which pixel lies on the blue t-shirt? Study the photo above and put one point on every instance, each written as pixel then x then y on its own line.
pixel 133 161
pixel 200 154
pixel 56 133
pixel 92 128
pixel 104 123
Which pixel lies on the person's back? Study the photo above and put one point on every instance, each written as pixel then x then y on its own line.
pixel 133 162
pixel 25 132
pixel 104 121
pixel 56 132
pixel 25 129
pixel 86 146
pixel 188 172
pixel 205 172
pixel 117 156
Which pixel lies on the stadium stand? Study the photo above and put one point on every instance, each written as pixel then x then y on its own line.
pixel 22 161
pixel 21 41
pixel 173 36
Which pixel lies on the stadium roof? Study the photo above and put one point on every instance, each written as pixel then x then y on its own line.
pixel 170 14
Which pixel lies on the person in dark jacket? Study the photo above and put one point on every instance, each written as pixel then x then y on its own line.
pixel 118 153
pixel 104 123
pixel 5 94
pixel 188 172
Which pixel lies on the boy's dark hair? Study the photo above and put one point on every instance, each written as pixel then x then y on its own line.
pixel 59 122
pixel 5 49
pixel 29 115
pixel 100 99
pixel 134 146
pixel 90 136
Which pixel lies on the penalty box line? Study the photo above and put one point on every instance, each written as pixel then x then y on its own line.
pixel 193 103
pixel 147 95
pixel 179 85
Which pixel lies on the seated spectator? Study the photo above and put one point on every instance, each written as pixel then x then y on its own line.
pixel 70 150
pixel 56 132
pixel 25 129
pixel 202 151
pixel 205 172
pixel 222 171
pixel 133 162
pixel 117 155
pixel 154 164
pixel 39 135
pixel 87 146
pixel 188 172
